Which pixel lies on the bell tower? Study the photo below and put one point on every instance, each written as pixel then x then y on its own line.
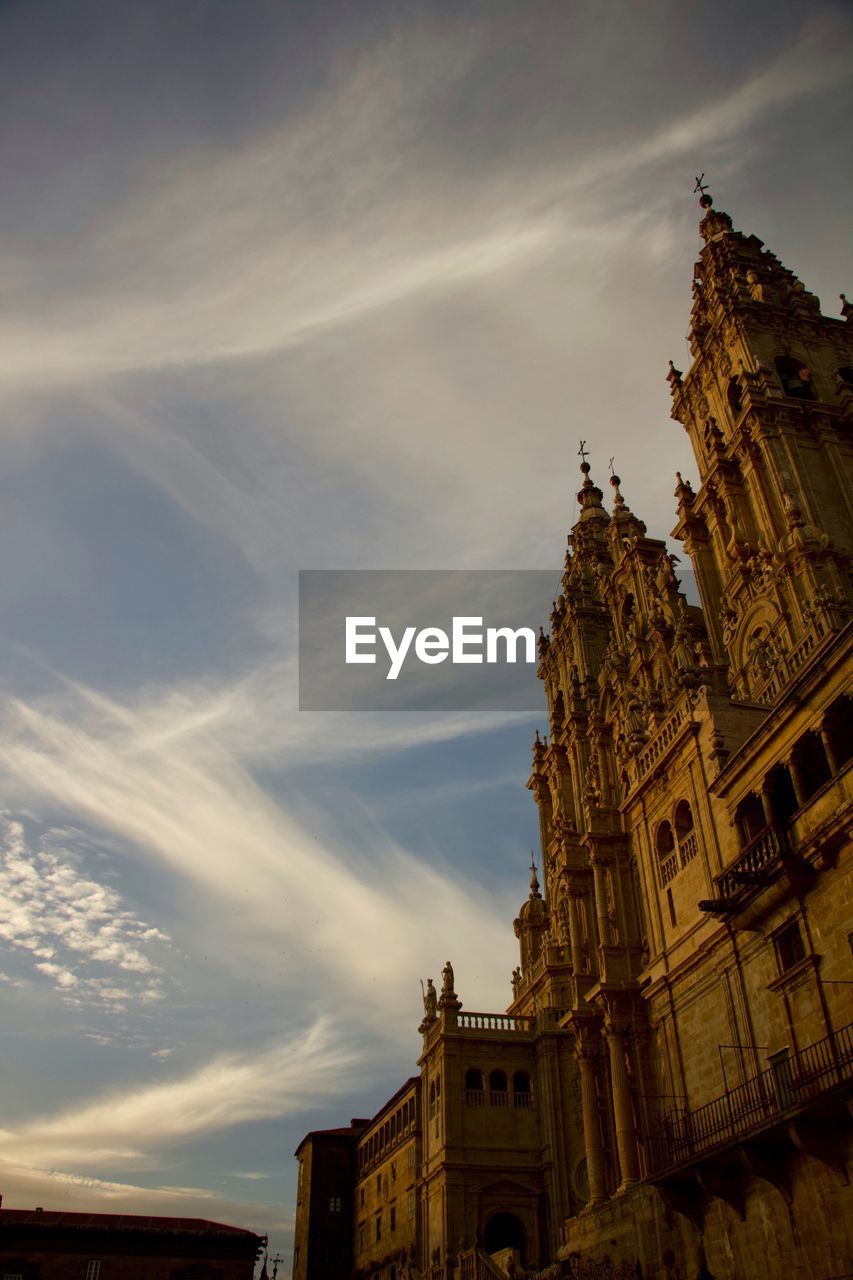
pixel 768 405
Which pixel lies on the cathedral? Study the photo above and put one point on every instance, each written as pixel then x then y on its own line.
pixel 668 1093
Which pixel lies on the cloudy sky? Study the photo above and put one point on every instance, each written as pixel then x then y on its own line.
pixel 297 285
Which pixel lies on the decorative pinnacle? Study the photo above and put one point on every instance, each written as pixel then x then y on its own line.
pixel 583 454
pixel 534 882
pixel 702 187
pixel 615 481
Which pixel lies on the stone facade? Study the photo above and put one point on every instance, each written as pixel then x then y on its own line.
pixel 670 1085
pixel 43 1244
pixel 388 1159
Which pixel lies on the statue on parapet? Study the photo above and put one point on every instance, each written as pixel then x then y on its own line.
pixel 430 996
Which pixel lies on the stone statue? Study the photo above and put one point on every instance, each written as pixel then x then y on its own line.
pixel 516 982
pixel 430 1002
pixel 447 980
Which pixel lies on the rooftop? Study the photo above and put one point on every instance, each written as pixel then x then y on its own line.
pixel 61 1219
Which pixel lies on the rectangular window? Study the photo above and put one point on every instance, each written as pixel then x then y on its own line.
pixel 93 1270
pixel 411 1158
pixel 334 1204
pixel 392 1274
pixel 393 1223
pixel 379 1226
pixel 789 946
pixel 670 903
pixel 410 1206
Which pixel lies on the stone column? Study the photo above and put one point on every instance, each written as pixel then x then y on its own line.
pixel 626 1133
pixel 593 1146
pixel 799 789
pixel 575 934
pixel 768 805
pixel 600 881
pixel 829 748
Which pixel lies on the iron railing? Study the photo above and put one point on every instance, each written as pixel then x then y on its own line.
pixel 766 851
pixel 788 1084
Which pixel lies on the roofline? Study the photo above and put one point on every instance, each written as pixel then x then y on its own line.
pixel 361 1131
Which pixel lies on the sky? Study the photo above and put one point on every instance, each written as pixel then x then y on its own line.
pixel 297 286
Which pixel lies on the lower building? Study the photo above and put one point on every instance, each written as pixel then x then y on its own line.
pixel 43 1244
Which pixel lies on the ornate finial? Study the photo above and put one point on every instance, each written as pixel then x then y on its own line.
pixel 534 882
pixel 702 187
pixel 618 500
pixel 583 454
pixel 846 307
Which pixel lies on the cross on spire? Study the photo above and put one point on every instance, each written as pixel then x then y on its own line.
pixel 583 452
pixel 701 185
pixel 610 465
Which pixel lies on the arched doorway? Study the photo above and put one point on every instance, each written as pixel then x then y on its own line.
pixel 504 1231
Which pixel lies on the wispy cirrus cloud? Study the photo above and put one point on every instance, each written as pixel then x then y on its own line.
pixel 130 1126
pixel 171 789
pixel 276 244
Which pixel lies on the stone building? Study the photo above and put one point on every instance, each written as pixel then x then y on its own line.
pixel 45 1244
pixel 670 1084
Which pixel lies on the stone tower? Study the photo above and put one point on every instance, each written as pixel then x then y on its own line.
pixel 767 405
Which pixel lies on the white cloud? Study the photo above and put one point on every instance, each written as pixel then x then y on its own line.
pixel 312 227
pixel 25 1186
pixel 369 920
pixel 74 928
pixel 129 1127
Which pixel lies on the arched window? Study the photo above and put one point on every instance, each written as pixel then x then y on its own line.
pixel 498 1089
pixel 686 838
pixel 664 841
pixel 665 849
pixel 734 396
pixel 475 1089
pixel 810 766
pixel 795 377
pixel 683 818
pixel 522 1094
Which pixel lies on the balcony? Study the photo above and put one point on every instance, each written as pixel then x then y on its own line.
pixel 766 858
pixel 792 1084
